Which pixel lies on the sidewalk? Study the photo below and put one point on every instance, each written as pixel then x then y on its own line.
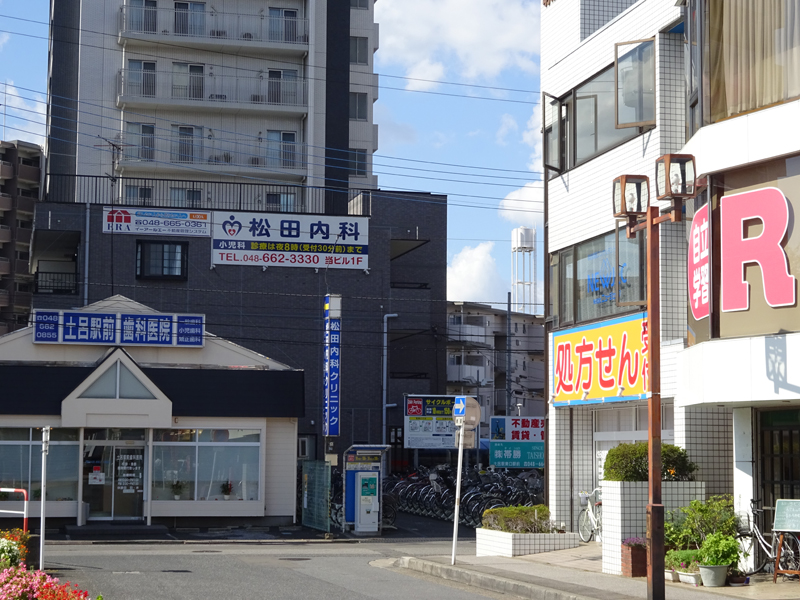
pixel 575 574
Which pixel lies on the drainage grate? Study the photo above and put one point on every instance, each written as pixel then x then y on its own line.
pixel 296 559
pixel 176 571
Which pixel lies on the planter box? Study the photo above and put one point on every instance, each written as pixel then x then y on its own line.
pixel 690 578
pixel 671 576
pixel 634 561
pixel 489 542
pixel 624 506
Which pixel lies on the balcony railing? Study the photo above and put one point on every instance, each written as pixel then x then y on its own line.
pixel 5 201
pixel 56 283
pixel 4 298
pixel 205 195
pixel 259 92
pixel 469 373
pixel 5 266
pixel 5 234
pixel 212 25
pixel 470 334
pixel 271 156
pixel 22 235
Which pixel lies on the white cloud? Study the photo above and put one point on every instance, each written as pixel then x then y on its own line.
pixel 472 276
pixel 475 39
pixel 18 108
pixel 524 206
pixel 4 37
pixel 507 125
pixel 532 136
pixel 392 133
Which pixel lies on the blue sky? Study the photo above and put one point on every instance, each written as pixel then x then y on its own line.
pixel 492 43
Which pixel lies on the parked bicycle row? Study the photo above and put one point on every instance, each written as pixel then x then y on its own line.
pixel 431 492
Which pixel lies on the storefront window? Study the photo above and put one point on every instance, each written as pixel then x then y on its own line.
pixel 753 55
pixel 114 434
pixel 193 464
pixel 21 463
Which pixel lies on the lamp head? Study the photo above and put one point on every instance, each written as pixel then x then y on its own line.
pixel 631 195
pixel 675 177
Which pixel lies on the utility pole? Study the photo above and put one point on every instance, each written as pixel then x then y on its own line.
pixel 508 355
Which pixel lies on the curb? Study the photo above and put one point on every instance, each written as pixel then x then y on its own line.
pixel 486 581
pixel 276 542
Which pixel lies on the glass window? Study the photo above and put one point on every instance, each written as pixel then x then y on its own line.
pixel 14 466
pixel 160 260
pixel 753 55
pixel 359 4
pixel 173 435
pixel 636 83
pixel 15 434
pixel 555 279
pixel 595 130
pixel 358 106
pixel 358 51
pixel 358 162
pixel 567 311
pixel 174 471
pixel 62 472
pixel 552 133
pixel 597 276
pixel 219 464
pixel 229 435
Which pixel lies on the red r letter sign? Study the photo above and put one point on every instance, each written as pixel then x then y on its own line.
pixel 770 206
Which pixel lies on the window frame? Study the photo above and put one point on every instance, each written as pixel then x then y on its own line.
pixel 359 4
pixel 141 260
pixel 358 162
pixel 640 124
pixel 355 96
pixel 359 41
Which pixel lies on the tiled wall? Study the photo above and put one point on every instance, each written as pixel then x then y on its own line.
pixel 706 434
pixel 560 449
pixel 596 13
pixel 624 512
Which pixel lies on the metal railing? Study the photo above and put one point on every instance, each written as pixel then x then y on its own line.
pixel 242 29
pixel 269 155
pixel 182 87
pixel 24 511
pixel 206 195
pixel 55 283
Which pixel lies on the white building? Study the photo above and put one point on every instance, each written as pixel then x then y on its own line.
pixel 477 358
pixel 614 100
pixel 276 92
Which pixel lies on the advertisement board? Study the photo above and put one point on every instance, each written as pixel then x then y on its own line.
pixel 517 442
pixel 290 240
pixel 331 365
pixel 602 362
pixel 78 327
pixel 429 422
pixel 141 221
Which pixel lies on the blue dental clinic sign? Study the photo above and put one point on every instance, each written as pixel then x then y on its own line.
pixel 75 327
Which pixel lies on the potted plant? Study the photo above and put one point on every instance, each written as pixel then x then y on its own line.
pixel 634 557
pixel 718 552
pixel 738 578
pixel 684 564
pixel 226 487
pixel 177 489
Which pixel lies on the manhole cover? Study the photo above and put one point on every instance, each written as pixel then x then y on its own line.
pixel 294 559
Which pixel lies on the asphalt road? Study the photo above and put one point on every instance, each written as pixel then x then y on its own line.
pixel 281 570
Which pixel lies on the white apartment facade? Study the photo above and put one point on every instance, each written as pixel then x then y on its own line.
pixel 614 100
pixel 477 356
pixel 263 92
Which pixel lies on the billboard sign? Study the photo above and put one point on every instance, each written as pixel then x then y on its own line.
pixel 604 362
pixel 331 365
pixel 290 240
pixel 699 276
pixel 517 442
pixel 139 221
pixel 429 422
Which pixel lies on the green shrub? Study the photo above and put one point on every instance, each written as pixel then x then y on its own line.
pixel 629 462
pixel 685 561
pixel 719 549
pixel 519 519
pixel 715 515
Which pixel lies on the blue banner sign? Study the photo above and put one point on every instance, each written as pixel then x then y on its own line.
pixel 517 442
pixel 115 329
pixel 331 369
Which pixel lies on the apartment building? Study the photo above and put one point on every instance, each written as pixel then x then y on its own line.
pixel 614 101
pixel 261 91
pixel 477 356
pixel 20 183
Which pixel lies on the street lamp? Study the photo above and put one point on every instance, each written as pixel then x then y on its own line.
pixel 675 181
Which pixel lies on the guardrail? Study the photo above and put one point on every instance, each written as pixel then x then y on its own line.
pixel 24 511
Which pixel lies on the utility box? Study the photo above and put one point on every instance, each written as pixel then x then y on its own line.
pixel 367 503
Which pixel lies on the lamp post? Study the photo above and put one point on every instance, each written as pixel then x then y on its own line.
pixel 675 181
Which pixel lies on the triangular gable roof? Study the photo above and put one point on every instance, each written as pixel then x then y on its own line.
pixel 116 394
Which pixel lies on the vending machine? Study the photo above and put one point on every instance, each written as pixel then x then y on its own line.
pixel 367 503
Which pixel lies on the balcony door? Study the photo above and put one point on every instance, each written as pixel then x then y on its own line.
pixel 183 144
pixel 140 143
pixel 282 87
pixel 282 25
pixel 282 149
pixel 141 79
pixel 190 19
pixel 143 16
pixel 188 81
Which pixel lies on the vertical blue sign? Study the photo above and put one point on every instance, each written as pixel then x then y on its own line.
pixel 331 368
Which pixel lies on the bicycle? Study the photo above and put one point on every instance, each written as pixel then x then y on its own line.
pixel 590 521
pixel 790 552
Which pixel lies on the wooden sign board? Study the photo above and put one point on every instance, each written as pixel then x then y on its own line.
pixel 787 519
